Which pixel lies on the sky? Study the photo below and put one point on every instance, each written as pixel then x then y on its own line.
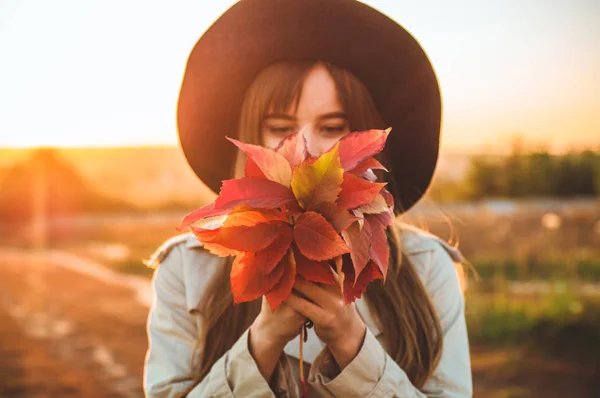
pixel 107 73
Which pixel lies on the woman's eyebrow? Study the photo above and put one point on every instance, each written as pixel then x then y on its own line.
pixel 280 116
pixel 332 115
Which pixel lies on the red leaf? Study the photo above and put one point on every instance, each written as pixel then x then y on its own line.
pixel 357 146
pixel 269 257
pixel 316 238
pixel 273 165
pixel 293 148
pixel 357 191
pixel 359 241
pixel 352 291
pixel 376 206
pixel 314 271
pixel 368 164
pixel 255 192
pixel 388 198
pixel 251 169
pixel 204 212
pixel 338 217
pixel 293 208
pixel 247 283
pixel 361 217
pixel 384 219
pixel 250 191
pixel 284 287
pixel 380 247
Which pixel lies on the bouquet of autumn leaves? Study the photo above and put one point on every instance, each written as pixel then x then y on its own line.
pixel 323 218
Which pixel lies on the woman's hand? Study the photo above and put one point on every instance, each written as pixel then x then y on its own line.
pixel 270 332
pixel 279 326
pixel 338 325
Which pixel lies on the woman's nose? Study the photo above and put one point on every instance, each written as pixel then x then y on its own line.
pixel 313 143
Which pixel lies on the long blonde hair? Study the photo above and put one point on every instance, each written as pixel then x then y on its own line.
pixel 402 308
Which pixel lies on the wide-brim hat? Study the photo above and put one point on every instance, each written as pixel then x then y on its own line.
pixel 253 34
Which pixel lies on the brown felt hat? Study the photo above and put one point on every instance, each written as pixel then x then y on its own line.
pixel 253 34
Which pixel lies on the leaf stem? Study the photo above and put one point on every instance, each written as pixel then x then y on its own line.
pixel 303 336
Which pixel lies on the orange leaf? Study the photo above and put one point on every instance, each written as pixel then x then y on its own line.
pixel 318 182
pixel 338 217
pixel 247 283
pixel 357 191
pixel 284 287
pixel 205 236
pixel 253 191
pixel 273 165
pixel 352 291
pixel 338 261
pixel 293 148
pixel 219 250
pixel 316 238
pixel 314 271
pixel 357 146
pixel 359 241
pixel 244 238
pixel 269 257
pixel 368 164
pixel 249 217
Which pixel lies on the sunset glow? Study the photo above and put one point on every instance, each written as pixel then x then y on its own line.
pixel 107 73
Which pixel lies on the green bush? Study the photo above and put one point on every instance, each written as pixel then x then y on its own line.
pixel 560 324
pixel 534 174
pixel 549 267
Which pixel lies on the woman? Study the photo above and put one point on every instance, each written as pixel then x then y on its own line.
pixel 264 70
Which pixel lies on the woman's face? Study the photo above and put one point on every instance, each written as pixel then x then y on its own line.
pixel 319 115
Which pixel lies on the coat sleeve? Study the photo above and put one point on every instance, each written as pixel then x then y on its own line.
pixel 373 373
pixel 172 335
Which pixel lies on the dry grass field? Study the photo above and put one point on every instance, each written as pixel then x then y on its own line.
pixel 533 311
pixel 74 292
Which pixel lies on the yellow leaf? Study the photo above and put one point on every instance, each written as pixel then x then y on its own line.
pixel 320 181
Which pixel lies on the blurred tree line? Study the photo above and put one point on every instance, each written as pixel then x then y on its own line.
pixel 46 185
pixel 526 174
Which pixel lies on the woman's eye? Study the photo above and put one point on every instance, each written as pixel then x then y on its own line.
pixel 335 129
pixel 280 129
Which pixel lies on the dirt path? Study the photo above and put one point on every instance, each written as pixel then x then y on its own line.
pixel 30 368
pixel 73 333
pixel 88 332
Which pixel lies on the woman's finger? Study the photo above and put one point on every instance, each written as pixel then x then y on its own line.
pixel 319 295
pixel 307 309
pixel 334 289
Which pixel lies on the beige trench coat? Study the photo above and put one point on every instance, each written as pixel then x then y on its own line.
pixel 174 324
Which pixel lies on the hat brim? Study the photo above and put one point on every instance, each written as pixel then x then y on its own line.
pixel 253 34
